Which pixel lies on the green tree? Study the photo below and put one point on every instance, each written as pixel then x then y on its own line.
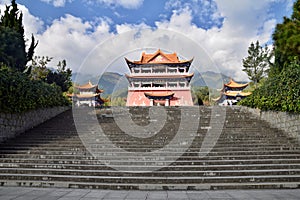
pixel 280 92
pixel 201 95
pixel 287 40
pixel 12 40
pixel 18 93
pixel 12 49
pixel 116 101
pixel 258 61
pixel 61 77
pixel 38 66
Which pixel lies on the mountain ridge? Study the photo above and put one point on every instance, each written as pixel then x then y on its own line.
pixel 112 82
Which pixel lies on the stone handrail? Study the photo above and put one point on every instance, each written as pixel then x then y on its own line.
pixel 287 122
pixel 14 124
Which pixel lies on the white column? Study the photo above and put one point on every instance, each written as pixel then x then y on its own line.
pixel 167 102
pixel 151 102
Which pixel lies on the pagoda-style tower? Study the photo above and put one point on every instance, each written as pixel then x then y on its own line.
pixel 159 79
pixel 89 95
pixel 233 91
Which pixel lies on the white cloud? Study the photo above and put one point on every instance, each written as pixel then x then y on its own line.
pixel 5 2
pixel 122 28
pixel 266 31
pixel 129 4
pixel 204 12
pixel 289 5
pixel 32 24
pixel 73 39
pixel 226 46
pixel 246 21
pixel 57 3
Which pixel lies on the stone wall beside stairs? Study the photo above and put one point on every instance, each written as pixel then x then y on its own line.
pixel 14 124
pixel 288 122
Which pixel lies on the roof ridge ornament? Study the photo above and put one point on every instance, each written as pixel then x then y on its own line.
pixel 155 59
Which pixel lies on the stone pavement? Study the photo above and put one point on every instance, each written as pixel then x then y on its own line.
pixel 27 193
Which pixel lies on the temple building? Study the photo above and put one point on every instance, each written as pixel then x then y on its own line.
pixel 232 92
pixel 87 95
pixel 159 79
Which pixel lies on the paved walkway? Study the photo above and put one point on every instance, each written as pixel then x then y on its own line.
pixel 23 193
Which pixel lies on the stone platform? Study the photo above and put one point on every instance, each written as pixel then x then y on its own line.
pixel 18 193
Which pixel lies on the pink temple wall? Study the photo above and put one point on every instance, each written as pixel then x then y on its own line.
pixel 180 98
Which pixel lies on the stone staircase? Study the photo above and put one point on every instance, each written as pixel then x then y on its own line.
pixel 221 148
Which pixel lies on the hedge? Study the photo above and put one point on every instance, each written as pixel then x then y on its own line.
pixel 280 92
pixel 18 93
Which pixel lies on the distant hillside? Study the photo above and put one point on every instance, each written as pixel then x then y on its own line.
pixel 113 82
pixel 108 81
pixel 80 78
pixel 209 78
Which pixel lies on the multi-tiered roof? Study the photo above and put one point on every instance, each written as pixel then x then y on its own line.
pixel 158 57
pixel 234 89
pixel 159 76
pixel 87 90
pixel 88 94
pixel 232 92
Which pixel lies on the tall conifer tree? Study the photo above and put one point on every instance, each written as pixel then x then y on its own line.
pixel 257 63
pixel 12 40
pixel 287 40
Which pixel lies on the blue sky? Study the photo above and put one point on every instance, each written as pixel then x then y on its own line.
pixel 148 11
pixel 71 29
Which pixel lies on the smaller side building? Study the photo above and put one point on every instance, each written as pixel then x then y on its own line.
pixel 87 95
pixel 232 92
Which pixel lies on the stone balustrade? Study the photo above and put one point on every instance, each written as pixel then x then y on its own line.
pixel 14 124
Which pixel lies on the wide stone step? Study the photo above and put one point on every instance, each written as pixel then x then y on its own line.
pixel 164 157
pixel 188 168
pixel 20 149
pixel 224 136
pixel 125 164
pixel 230 134
pixel 149 147
pixel 136 144
pixel 190 154
pixel 153 180
pixel 146 174
pixel 126 186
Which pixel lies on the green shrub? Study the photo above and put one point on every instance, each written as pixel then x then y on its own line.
pixel 18 93
pixel 280 92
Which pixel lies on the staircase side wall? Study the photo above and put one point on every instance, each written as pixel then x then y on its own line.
pixel 287 122
pixel 14 124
